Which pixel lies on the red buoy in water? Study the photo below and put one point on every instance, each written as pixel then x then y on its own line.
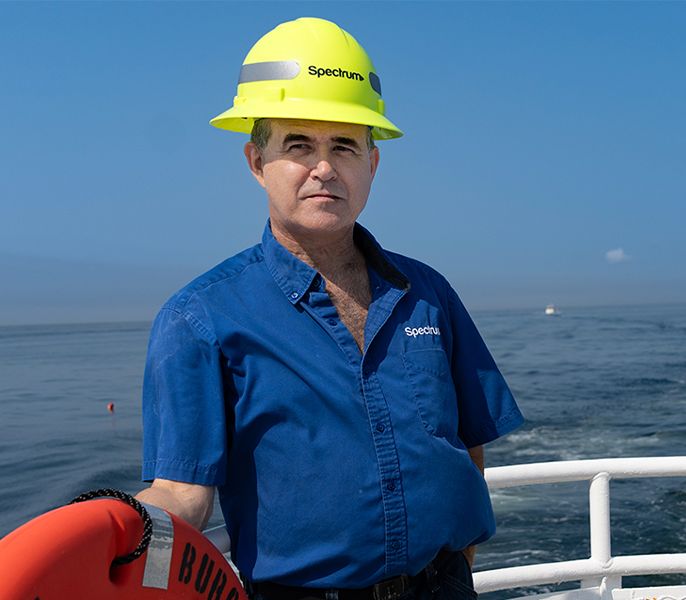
pixel 110 407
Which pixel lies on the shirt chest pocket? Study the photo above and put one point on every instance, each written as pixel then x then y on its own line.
pixel 432 385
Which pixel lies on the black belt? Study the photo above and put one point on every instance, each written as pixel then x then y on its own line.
pixel 389 589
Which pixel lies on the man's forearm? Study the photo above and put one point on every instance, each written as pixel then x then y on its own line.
pixel 191 503
pixel 477 456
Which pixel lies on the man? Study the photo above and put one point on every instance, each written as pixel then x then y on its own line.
pixel 338 395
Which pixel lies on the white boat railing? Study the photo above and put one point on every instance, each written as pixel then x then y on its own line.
pixel 601 570
pixel 599 575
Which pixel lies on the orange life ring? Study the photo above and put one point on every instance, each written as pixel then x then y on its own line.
pixel 68 554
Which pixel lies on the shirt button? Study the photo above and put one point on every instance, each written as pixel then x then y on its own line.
pixel 390 486
pixel 294 295
pixel 395 544
pixel 332 322
pixel 380 427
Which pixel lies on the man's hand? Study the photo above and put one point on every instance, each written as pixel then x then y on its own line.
pixel 470 552
pixel 477 455
pixel 192 502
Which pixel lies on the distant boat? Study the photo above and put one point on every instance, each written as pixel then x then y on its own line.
pixel 551 310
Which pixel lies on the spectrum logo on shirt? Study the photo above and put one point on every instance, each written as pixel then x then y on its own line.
pixel 415 331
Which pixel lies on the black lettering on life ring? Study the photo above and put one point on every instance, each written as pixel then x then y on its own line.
pixel 233 594
pixel 203 575
pixel 187 561
pixel 200 583
pixel 218 586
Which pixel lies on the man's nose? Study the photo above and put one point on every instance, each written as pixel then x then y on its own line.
pixel 323 168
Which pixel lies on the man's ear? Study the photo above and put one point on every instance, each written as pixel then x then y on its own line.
pixel 374 157
pixel 255 163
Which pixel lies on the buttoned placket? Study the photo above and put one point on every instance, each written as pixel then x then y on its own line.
pixel 384 299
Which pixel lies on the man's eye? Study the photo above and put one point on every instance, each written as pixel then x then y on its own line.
pixel 297 147
pixel 343 149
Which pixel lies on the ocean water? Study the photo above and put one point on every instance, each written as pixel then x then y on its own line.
pixel 592 383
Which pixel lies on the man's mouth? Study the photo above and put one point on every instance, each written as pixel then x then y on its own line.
pixel 323 194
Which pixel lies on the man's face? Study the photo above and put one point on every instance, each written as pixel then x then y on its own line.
pixel 317 176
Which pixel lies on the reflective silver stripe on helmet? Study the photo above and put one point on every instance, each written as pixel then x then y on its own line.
pixel 264 71
pixel 158 560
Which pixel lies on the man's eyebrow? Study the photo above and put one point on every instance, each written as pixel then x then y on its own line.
pixel 346 141
pixel 299 137
pixel 295 137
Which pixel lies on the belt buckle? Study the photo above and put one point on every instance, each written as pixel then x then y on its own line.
pixel 391 588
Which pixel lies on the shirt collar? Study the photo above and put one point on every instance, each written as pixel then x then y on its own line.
pixel 378 259
pixel 294 277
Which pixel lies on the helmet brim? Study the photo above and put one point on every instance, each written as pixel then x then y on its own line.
pixel 242 118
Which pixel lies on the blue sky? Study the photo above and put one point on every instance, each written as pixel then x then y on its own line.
pixel 543 161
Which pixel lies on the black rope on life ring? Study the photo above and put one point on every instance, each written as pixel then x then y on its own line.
pixel 139 508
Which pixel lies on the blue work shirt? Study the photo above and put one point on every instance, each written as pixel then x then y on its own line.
pixel 335 467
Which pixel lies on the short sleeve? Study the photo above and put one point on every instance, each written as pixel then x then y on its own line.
pixel 487 410
pixel 184 408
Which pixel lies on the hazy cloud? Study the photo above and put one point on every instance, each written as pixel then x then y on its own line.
pixel 616 256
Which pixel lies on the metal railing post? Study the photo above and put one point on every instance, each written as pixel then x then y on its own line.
pixel 599 517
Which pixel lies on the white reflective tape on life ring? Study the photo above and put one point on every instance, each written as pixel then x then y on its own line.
pixel 159 554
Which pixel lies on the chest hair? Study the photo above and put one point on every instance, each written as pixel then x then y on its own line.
pixel 350 294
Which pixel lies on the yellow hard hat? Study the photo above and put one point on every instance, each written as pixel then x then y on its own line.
pixel 308 69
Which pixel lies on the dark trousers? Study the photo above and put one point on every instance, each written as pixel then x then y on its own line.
pixel 447 577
